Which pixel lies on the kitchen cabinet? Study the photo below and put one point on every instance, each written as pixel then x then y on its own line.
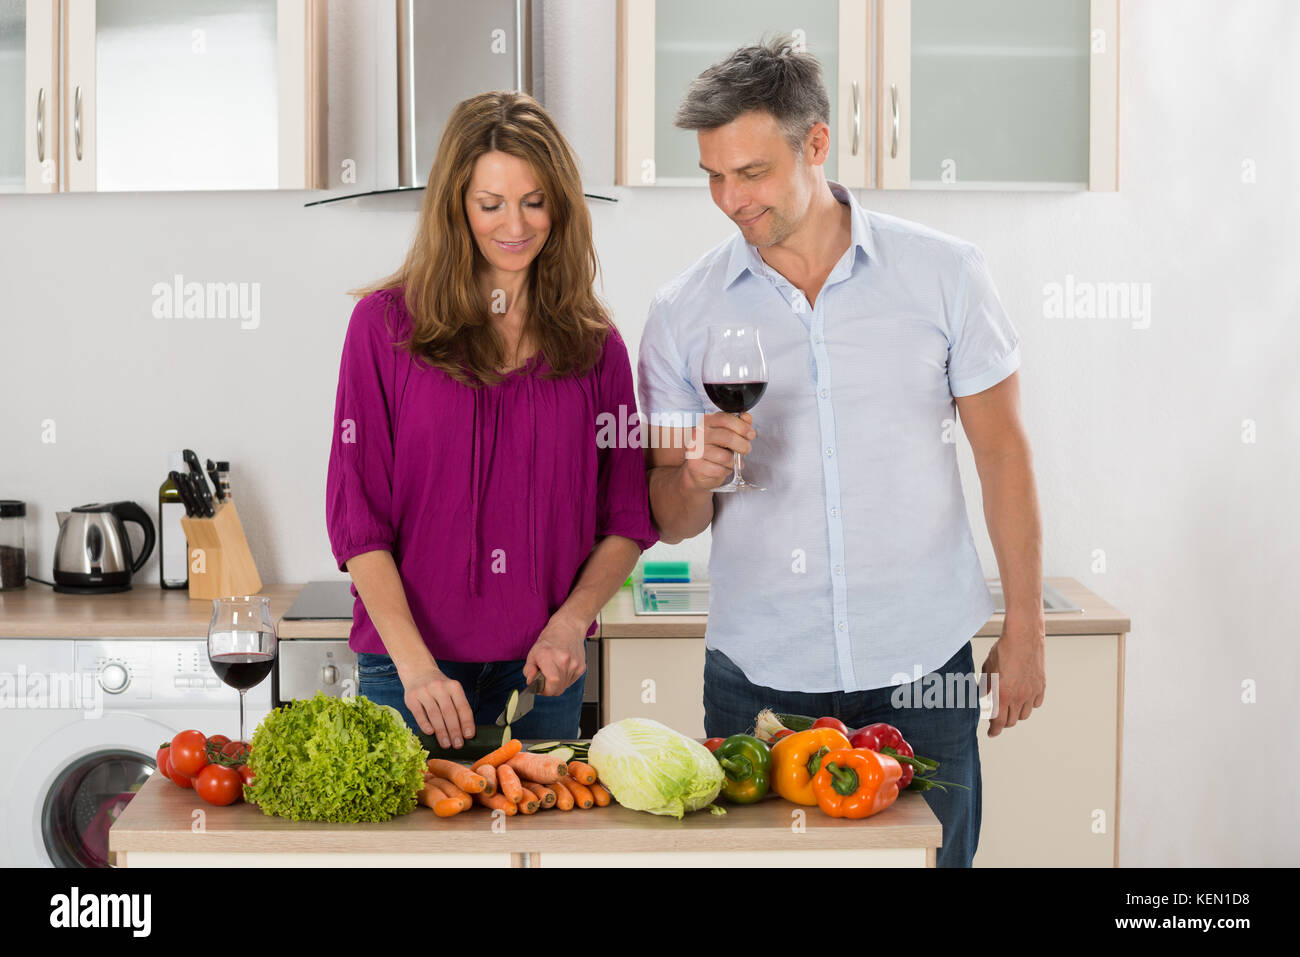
pixel 29 92
pixel 167 94
pixel 653 667
pixel 924 94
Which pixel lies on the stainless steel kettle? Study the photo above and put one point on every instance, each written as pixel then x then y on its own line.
pixel 93 552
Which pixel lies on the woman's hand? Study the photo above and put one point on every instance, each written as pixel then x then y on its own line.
pixel 560 654
pixel 438 705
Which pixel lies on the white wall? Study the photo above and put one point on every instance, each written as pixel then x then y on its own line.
pixel 1137 432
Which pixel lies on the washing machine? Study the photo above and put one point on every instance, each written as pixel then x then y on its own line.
pixel 80 723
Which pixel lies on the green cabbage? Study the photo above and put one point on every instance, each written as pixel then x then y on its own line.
pixel 648 766
pixel 335 759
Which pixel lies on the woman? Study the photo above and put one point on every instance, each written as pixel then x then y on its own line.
pixel 482 526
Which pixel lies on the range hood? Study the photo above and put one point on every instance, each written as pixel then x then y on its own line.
pixel 443 51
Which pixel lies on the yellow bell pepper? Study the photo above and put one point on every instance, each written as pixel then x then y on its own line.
pixel 797 757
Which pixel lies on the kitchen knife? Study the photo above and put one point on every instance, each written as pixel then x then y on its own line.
pixel 187 499
pixel 522 701
pixel 216 481
pixel 200 483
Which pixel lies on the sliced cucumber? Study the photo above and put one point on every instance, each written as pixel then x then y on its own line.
pixel 512 704
pixel 544 746
pixel 562 754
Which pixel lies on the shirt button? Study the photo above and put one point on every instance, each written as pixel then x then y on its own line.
pixel 839 569
pixel 835 513
pixel 817 339
pixel 824 393
pixel 829 451
pixel 842 626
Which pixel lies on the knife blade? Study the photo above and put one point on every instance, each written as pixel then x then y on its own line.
pixel 200 482
pixel 523 701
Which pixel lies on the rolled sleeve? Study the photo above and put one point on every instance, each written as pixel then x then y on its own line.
pixel 623 498
pixel 984 348
pixel 359 486
pixel 664 381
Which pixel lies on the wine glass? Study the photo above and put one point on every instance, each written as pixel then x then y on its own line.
pixel 735 376
pixel 241 644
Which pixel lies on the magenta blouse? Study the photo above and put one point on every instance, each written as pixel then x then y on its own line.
pixel 489 498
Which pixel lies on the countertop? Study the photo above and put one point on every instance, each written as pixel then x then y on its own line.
pixel 160 819
pixel 148 611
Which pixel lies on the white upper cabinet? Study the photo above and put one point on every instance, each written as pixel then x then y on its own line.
pixel 166 94
pixel 925 94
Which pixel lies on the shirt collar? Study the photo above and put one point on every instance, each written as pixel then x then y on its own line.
pixel 744 257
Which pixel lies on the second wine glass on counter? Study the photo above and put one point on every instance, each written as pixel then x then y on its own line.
pixel 735 377
pixel 241 644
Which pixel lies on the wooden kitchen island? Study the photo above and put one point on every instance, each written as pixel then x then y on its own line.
pixel 162 826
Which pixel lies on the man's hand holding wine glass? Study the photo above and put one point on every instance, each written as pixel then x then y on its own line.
pixel 717 439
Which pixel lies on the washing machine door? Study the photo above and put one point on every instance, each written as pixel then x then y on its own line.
pixel 75 783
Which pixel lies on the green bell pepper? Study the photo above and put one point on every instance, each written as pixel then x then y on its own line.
pixel 746 768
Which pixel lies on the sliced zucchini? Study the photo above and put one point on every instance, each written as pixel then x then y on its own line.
pixel 562 754
pixel 512 703
pixel 544 746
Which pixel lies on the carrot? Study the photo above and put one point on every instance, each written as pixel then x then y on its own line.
pixel 528 802
pixel 458 774
pixel 509 782
pixel 538 767
pixel 581 793
pixel 489 774
pixel 501 755
pixel 452 791
pixel 563 796
pixel 498 802
pixel 544 792
pixel 432 796
pixel 582 773
pixel 601 794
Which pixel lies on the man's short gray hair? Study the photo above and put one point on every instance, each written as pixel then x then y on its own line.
pixel 769 76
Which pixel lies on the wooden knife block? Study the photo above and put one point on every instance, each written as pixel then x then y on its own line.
pixel 227 567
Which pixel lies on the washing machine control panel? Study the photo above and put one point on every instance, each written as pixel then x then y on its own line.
pixel 155 672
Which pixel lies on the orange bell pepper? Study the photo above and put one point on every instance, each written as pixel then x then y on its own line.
pixel 797 757
pixel 856 783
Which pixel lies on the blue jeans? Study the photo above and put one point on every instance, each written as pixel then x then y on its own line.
pixel 947 733
pixel 487 685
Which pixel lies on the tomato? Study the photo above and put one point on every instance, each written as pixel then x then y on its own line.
pixel 835 723
pixel 217 742
pixel 712 744
pixel 219 785
pixel 784 732
pixel 236 749
pixel 163 752
pixel 180 780
pixel 189 752
pixel 245 773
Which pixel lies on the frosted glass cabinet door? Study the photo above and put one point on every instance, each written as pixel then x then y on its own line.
pixel 185 94
pixel 995 94
pixel 29 96
pixel 665 44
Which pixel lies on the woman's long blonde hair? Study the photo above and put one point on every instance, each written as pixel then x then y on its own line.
pixel 451 327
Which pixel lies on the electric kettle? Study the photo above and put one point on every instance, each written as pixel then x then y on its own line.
pixel 93 552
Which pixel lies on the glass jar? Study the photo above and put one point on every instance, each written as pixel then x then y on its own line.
pixel 13 548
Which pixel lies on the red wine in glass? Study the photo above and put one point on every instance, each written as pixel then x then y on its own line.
pixel 241 644
pixel 242 670
pixel 735 397
pixel 734 376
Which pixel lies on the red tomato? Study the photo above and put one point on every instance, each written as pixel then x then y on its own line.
pixel 217 742
pixel 835 723
pixel 180 780
pixel 712 744
pixel 783 733
pixel 245 773
pixel 218 785
pixel 236 749
pixel 189 752
pixel 163 751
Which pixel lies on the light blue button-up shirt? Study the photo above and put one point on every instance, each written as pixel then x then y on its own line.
pixel 856 568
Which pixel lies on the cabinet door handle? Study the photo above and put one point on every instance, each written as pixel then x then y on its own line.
pixel 40 125
pixel 76 120
pixel 857 119
pixel 893 106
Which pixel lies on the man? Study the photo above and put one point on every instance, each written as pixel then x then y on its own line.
pixel 852 577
